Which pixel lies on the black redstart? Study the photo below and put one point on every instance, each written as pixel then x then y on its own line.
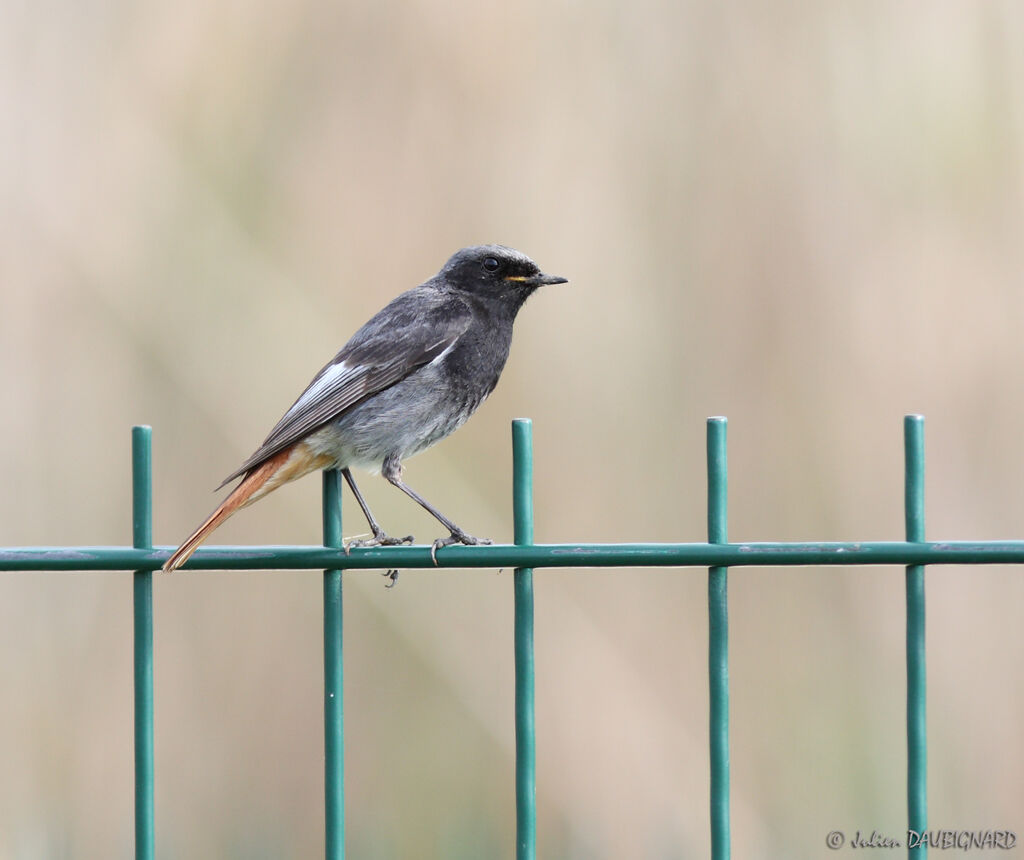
pixel 409 377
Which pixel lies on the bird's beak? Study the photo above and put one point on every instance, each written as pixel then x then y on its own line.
pixel 538 280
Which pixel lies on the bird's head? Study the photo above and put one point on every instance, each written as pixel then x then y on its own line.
pixel 494 271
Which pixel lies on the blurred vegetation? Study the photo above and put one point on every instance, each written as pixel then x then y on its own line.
pixel 807 217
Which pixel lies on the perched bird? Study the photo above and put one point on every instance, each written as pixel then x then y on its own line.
pixel 410 376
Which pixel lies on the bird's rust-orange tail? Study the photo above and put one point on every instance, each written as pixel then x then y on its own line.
pixel 284 466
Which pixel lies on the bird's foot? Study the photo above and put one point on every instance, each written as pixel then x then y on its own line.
pixel 378 539
pixel 457 536
pixel 392 575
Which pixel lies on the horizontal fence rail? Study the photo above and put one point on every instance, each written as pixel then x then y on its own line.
pixel 767 554
pixel 717 555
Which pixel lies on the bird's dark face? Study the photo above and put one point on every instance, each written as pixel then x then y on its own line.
pixel 494 271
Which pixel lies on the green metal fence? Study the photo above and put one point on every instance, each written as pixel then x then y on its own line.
pixel 718 555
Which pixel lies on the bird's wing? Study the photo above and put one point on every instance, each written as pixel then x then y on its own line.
pixel 413 330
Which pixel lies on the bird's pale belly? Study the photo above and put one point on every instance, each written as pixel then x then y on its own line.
pixel 395 423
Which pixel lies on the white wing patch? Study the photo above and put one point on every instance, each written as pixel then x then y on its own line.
pixel 331 378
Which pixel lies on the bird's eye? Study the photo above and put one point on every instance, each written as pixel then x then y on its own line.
pixel 491 264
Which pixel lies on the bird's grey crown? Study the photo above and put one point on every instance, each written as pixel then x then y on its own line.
pixel 479 252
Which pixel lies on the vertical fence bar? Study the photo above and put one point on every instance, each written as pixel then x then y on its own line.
pixel 522 507
pixel 334 732
pixel 917 746
pixel 718 640
pixel 142 598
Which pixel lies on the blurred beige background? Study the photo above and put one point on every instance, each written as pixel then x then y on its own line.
pixel 807 217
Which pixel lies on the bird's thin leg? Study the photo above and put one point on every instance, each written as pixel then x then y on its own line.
pixel 392 472
pixel 379 537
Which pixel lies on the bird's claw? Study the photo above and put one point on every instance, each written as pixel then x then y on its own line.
pixel 392 575
pixel 379 539
pixel 456 537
